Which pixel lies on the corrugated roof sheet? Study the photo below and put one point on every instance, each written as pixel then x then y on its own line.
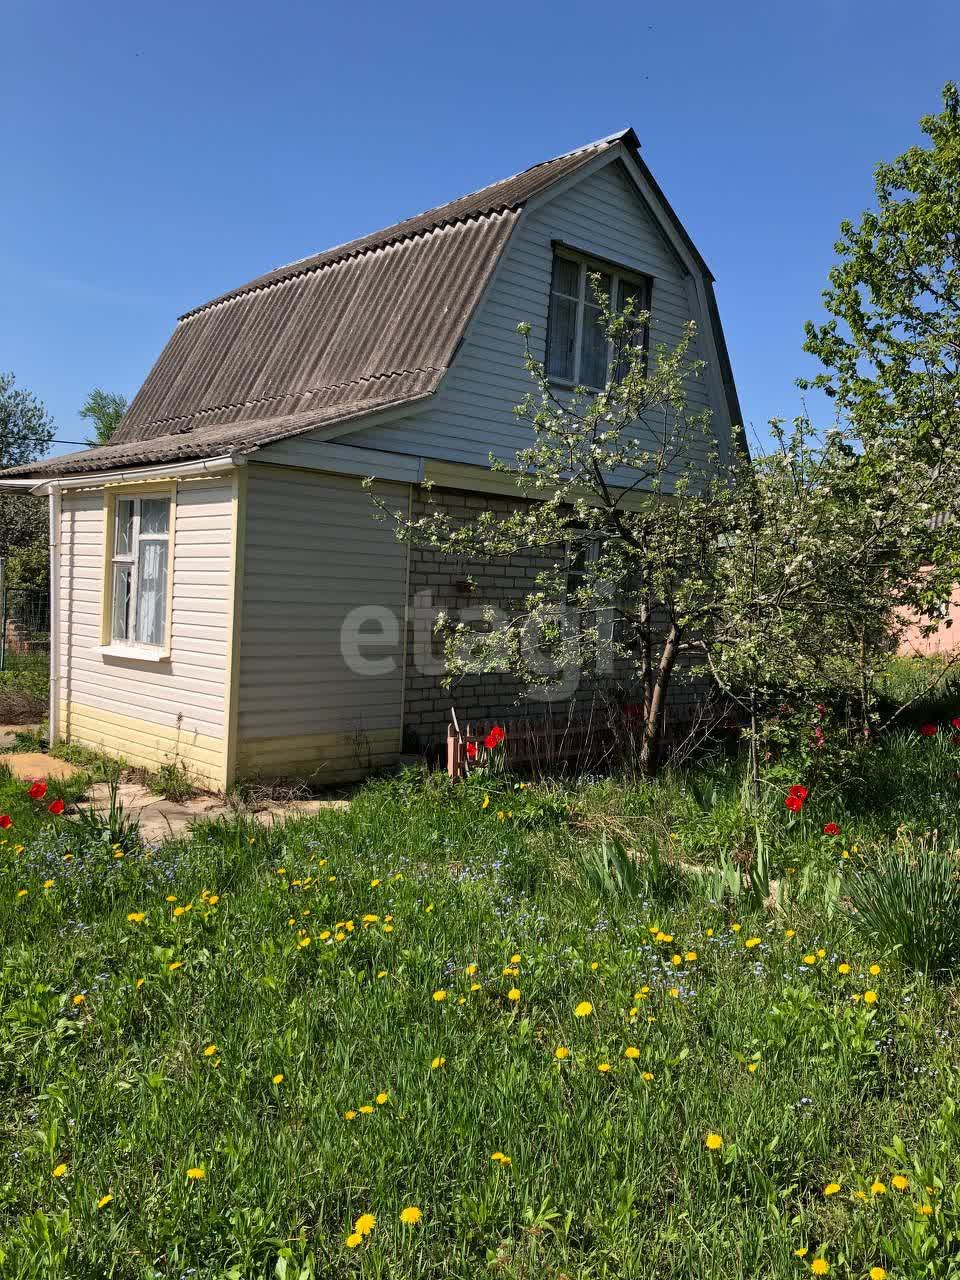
pixel 311 338
pixel 366 325
pixel 215 439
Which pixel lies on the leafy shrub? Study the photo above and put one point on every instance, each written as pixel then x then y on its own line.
pixel 115 828
pixel 909 901
pixel 172 781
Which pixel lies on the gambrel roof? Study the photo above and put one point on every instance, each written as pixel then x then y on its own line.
pixel 366 326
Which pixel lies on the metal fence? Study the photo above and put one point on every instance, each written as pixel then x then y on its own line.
pixel 24 622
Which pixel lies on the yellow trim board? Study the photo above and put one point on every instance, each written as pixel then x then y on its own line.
pixel 143 743
pixel 238 534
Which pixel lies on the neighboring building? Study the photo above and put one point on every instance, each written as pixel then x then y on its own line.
pixel 206 560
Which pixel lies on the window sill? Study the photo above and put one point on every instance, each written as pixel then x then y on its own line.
pixel 134 653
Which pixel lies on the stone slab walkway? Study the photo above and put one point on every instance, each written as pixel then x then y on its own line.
pixel 29 765
pixel 160 819
pixel 9 731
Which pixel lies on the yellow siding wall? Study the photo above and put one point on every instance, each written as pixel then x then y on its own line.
pixel 151 712
pixel 313 552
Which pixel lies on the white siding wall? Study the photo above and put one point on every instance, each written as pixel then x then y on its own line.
pixel 131 707
pixel 314 552
pixel 471 414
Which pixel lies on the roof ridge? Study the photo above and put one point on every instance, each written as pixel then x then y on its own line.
pixel 409 227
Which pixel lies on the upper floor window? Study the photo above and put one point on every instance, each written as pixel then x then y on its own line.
pixel 139 569
pixel 577 348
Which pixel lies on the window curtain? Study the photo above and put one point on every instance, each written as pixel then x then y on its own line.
pixel 152 592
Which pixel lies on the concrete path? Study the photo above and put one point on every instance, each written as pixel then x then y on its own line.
pixel 9 731
pixel 29 765
pixel 159 818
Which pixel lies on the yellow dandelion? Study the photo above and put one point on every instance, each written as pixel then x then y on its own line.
pixel 196 1174
pixel 515 958
pixel 354 1239
pixel 843 968
pixel 486 803
pixel 278 1078
pixel 79 999
pixel 474 986
pixel 139 983
pixel 382 1098
pixel 104 1200
pixel 411 1215
pixel 713 1142
pixel 349 1115
pixel 874 970
pixel 809 959
pixel 439 996
pixel 366 1109
pixel 438 1062
pixel 877 1189
pixel 603 1067
pixel 513 994
pixel 365 1224
pixel 674 993
pixel 831 1188
pixel 631 1051
pixel 752 942
pixel 925 1210
pixel 899 1182
pixel 647 1075
pixel 878 1273
pixel 801 1252
pixel 690 957
pixel 789 933
pixel 583 1009
pixel 210 1050
pixel 48 884
pixel 819 1266
pixel 561 1052
pixel 500 1158
pixel 735 928
pixel 136 917
pixel 177 964
pixel 59 1171
pixel 470 970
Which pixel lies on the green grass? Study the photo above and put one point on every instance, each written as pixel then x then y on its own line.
pixel 609 1174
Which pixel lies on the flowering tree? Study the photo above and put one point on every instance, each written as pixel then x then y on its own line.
pixel 787 576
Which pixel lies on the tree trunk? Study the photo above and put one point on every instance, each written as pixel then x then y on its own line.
pixel 651 742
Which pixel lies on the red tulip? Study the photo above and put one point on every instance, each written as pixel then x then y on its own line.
pixel 56 808
pixel 38 790
pixel 831 829
pixel 494 738
pixel 5 821
pixel 471 751
pixel 793 803
pixel 797 792
pixel 956 722
pixel 928 730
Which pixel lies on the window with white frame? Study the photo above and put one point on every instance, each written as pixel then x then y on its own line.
pixel 577 349
pixel 141 563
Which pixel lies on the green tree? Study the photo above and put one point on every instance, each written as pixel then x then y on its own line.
pixel 891 356
pixel 26 433
pixel 891 348
pixel 104 409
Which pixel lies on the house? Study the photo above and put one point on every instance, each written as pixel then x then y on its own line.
pixel 222 594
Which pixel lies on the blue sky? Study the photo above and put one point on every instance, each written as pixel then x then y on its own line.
pixel 158 154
